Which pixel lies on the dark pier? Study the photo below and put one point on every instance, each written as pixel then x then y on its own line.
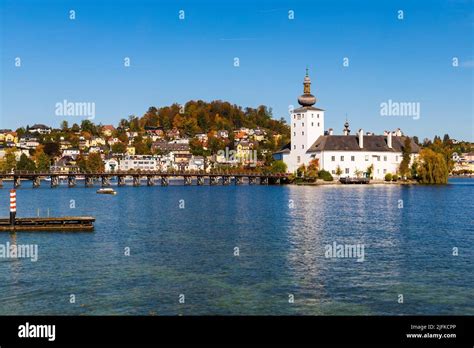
pixel 149 178
pixel 66 223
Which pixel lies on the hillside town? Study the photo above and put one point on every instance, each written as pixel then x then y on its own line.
pixel 77 149
pixel 202 137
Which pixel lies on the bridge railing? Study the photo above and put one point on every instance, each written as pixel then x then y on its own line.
pixel 145 172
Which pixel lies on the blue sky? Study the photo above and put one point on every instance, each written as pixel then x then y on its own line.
pixel 175 60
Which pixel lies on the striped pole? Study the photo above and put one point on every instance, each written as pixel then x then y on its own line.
pixel 12 206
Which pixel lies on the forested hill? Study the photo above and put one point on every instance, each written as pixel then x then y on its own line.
pixel 202 117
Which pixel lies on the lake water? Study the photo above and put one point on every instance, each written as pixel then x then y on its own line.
pixel 280 232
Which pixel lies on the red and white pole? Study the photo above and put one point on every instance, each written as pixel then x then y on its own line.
pixel 12 206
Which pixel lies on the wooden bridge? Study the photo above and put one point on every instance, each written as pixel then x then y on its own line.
pixel 151 178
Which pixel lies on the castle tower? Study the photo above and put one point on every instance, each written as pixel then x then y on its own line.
pixel 307 125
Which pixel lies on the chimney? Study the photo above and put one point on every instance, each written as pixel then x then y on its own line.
pixel 385 133
pixel 389 140
pixel 398 132
pixel 361 138
pixel 331 131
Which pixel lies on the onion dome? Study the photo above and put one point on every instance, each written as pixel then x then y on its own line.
pixel 307 99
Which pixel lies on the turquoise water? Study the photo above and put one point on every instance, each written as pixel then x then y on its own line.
pixel 281 233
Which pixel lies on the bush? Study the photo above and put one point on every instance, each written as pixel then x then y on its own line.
pixel 325 175
pixel 388 177
pixel 395 177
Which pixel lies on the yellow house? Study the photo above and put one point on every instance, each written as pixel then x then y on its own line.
pixel 131 150
pixel 9 137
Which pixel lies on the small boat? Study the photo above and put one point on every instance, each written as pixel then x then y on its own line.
pixel 107 191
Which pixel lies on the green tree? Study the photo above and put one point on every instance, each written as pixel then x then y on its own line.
pixel 278 167
pixel 432 168
pixel 95 163
pixel 404 168
pixel 119 148
pixel 10 160
pixel 64 126
pixel 43 162
pixel 26 163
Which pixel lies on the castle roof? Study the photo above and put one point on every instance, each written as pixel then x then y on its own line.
pixel 351 143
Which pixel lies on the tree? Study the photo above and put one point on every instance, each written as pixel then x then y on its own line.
pixel 406 156
pixel 432 168
pixel 119 148
pixel 370 170
pixel 338 171
pixel 75 128
pixel 95 163
pixel 313 167
pixel 278 167
pixel 64 126
pixel 52 149
pixel 25 163
pixel 43 162
pixel 10 160
pixel 87 126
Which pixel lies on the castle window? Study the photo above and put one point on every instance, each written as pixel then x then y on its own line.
pixel 312 124
pixel 302 133
pixel 342 158
pixel 298 159
pixel 302 124
pixel 294 133
pixel 366 157
pixel 294 147
pixel 347 170
pixel 385 158
pixel 333 171
pixel 385 171
pixel 396 158
pixel 352 158
pixel 333 158
pixel 294 125
pixel 318 124
pixel 318 115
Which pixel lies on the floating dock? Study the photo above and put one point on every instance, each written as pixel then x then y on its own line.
pixel 66 223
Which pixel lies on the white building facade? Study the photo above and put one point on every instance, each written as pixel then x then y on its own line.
pixel 349 155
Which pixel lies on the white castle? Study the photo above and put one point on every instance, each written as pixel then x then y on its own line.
pixel 349 154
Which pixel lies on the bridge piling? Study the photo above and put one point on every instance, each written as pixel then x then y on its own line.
pixel 89 182
pixel 136 180
pixel 105 180
pixel 120 180
pixel 150 180
pixel 200 180
pixel 71 180
pixel 54 180
pixel 36 182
